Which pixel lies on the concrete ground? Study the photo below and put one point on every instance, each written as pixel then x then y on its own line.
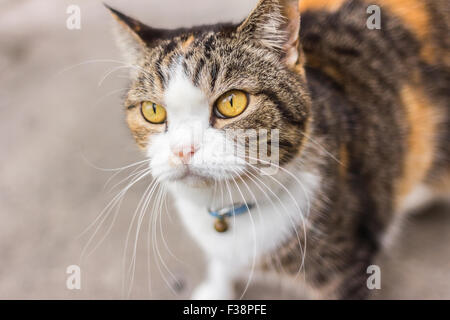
pixel 58 124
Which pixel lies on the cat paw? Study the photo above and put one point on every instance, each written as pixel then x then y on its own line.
pixel 213 291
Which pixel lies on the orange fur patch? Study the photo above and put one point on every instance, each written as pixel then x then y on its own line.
pixel 330 71
pixel 415 17
pixel 330 5
pixel 421 119
pixel 413 13
pixel 187 43
pixel 141 129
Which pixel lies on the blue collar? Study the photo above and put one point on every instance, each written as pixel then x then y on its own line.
pixel 233 210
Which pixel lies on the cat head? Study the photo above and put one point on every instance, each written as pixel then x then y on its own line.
pixel 196 91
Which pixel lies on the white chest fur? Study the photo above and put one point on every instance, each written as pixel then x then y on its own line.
pixel 277 215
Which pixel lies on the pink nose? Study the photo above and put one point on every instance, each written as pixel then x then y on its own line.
pixel 185 153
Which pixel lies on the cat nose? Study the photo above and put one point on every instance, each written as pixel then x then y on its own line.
pixel 184 153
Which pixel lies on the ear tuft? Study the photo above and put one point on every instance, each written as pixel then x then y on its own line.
pixel 141 32
pixel 133 36
pixel 276 24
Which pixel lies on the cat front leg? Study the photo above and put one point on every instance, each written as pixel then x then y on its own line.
pixel 344 276
pixel 334 266
pixel 218 284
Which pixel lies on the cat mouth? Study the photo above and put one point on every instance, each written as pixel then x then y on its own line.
pixel 194 175
pixel 187 174
pixel 191 178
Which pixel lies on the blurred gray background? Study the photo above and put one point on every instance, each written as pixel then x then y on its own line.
pixel 58 125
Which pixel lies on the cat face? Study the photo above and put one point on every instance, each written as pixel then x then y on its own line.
pixel 196 92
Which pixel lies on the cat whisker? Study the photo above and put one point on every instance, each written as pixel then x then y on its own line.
pixel 162 233
pixel 248 173
pixel 113 169
pixel 149 273
pixel 155 246
pixel 106 212
pixel 280 184
pixel 286 171
pixel 134 173
pixel 108 94
pixel 138 166
pixel 231 202
pixel 302 215
pixel 141 201
pixel 168 212
pixel 115 199
pixel 110 72
pixel 322 148
pixel 250 277
pixel 123 64
pixel 108 230
pixel 89 62
pixel 155 210
pixel 132 266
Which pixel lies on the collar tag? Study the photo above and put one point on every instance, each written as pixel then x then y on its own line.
pixel 221 225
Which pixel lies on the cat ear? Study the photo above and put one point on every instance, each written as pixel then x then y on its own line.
pixel 276 24
pixel 133 36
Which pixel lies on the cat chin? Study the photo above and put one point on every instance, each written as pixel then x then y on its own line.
pixel 189 180
pixel 196 181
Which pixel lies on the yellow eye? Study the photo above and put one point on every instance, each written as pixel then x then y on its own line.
pixel 231 104
pixel 153 112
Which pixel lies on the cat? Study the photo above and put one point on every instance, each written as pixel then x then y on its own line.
pixel 360 118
